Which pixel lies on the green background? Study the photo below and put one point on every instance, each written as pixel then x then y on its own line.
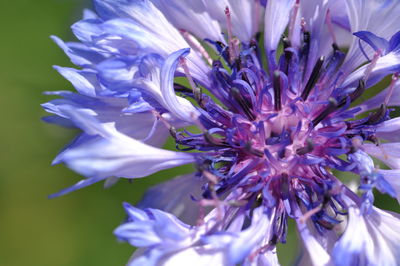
pixel 71 230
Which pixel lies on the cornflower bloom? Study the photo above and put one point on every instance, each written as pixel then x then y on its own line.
pixel 270 107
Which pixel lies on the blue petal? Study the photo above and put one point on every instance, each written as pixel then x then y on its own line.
pixel 79 185
pixel 394 43
pixel 377 43
pixel 80 54
pixel 185 112
pixel 84 81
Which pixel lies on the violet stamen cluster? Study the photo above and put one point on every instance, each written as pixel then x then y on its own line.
pixel 266 99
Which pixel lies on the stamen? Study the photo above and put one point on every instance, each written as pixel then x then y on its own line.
pixel 303 24
pixel 313 78
pixel 288 55
pixel 196 90
pixel 372 65
pixel 328 21
pixel 395 78
pixel 293 18
pixel 354 95
pixel 197 45
pixel 187 73
pixel 303 219
pixel 213 140
pixel 215 201
pixel 358 91
pixel 172 130
pixel 277 90
pixel 305 49
pixel 233 53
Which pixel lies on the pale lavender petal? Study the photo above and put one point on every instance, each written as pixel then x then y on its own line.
pixel 388 153
pixel 176 196
pixel 277 14
pixel 181 108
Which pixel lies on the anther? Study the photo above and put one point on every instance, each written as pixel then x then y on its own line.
pixel 288 55
pixel 377 116
pixel 173 132
pixel 354 95
pixel 277 90
pixel 335 47
pixel 313 78
pixel 308 148
pixel 232 46
pixel 358 91
pixel 180 88
pixel 286 42
pixel 332 105
pixel 244 104
pixel 395 78
pixel 250 149
pixel 196 44
pixel 213 140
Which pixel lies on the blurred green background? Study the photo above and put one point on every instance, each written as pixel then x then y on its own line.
pixel 71 230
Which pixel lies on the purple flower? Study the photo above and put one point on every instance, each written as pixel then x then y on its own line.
pixel 265 99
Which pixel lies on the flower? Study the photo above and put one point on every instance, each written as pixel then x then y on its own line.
pixel 266 119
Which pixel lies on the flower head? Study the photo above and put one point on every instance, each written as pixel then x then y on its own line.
pixel 264 98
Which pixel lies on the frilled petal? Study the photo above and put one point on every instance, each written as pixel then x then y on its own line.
pixel 192 17
pixel 316 252
pixel 277 14
pixel 179 243
pixel 80 54
pixel 176 196
pixel 142 23
pixel 116 154
pixel 141 126
pixel 371 239
pixel 84 81
pixel 113 153
pixel 150 227
pixel 160 236
pixel 250 239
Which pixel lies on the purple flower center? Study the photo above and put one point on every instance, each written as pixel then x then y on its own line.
pixel 276 137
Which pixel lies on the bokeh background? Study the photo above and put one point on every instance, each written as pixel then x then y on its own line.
pixel 75 229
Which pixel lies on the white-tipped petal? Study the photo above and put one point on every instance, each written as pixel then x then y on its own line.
pixel 276 19
pixel 180 107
